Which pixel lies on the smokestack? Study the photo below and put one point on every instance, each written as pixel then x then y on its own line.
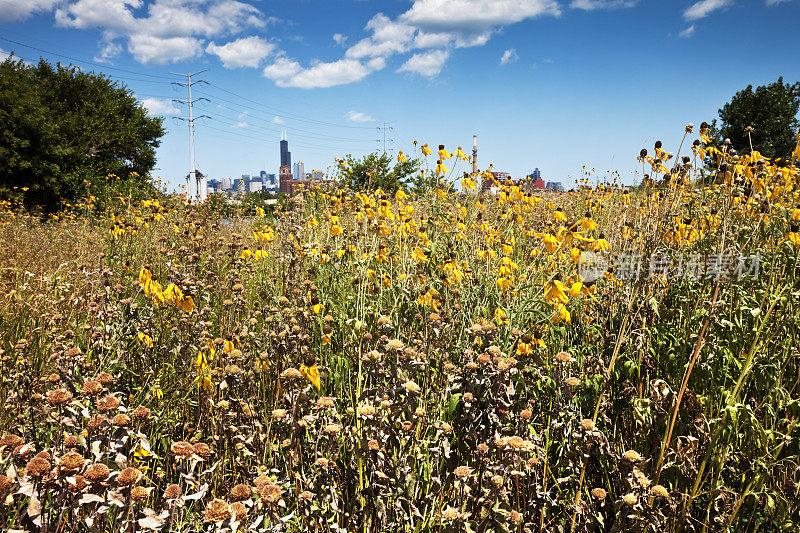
pixel 474 154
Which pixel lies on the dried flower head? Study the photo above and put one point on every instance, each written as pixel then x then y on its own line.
pixel 238 511
pixel 599 493
pixel 202 450
pixel 587 424
pixel 291 374
pixel 564 357
pixel 632 456
pixel 270 493
pixel 182 450
pixel 97 472
pixel 71 462
pixel 463 472
pixel 659 491
pixel 10 441
pixel 216 511
pixel 450 514
pixel 91 388
pixel 107 404
pixel 58 397
pixel 141 413
pixel 395 344
pixel 572 381
pixel 411 387
pixel 630 499
pixel 128 476
pixel 105 379
pixel 240 492
pixel 37 467
pixel 172 491
pixel 121 420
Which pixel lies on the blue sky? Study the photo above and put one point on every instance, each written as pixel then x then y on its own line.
pixel 553 84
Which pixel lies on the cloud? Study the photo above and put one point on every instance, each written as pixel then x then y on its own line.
pixel 159 107
pixel 388 37
pixel 475 16
pixel 776 2
pixel 704 8
pixel 509 56
pixel 22 9
pixel 150 49
pixel 688 32
pixel 427 64
pixel 180 25
pixel 109 50
pixel 245 52
pixel 593 5
pixel 240 125
pixel 357 116
pixel 339 39
pixel 287 72
pixel 278 120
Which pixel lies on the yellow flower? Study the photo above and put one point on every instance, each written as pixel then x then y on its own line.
pixel 145 339
pixel 444 155
pixel 562 314
pixel 336 230
pixel 425 149
pixel 401 158
pixel 312 374
pixel 555 291
pixel 318 308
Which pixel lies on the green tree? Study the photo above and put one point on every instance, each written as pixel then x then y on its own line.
pixel 63 131
pixel 374 171
pixel 771 111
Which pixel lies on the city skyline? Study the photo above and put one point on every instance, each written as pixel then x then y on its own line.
pixel 543 83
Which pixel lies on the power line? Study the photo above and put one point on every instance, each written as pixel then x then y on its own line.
pixel 83 60
pixel 292 115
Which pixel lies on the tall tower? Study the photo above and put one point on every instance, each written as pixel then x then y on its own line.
pixel 474 154
pixel 286 155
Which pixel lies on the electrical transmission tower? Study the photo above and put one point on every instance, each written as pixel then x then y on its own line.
pixel 385 128
pixel 196 186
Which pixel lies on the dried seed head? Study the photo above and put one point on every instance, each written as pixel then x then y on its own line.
pixel 659 491
pixel 463 472
pixel 107 404
pixel 172 491
pixel 91 388
pixel 182 450
pixel 240 492
pixel 37 467
pixel 105 379
pixel 71 462
pixel 216 511
pixel 141 413
pixel 58 397
pixel 599 493
pixel 128 476
pixel 270 493
pixel 10 441
pixel 97 472
pixel 202 450
pixel 121 420
pixel 238 511
pixel 630 499
pixel 632 456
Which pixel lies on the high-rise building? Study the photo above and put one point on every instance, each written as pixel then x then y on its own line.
pixel 286 155
pixel 299 171
pixel 226 184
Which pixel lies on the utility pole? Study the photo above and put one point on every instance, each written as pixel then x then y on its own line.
pixel 475 154
pixel 196 187
pixel 384 128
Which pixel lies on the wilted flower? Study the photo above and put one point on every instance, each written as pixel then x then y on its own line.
pixel 97 472
pixel 182 450
pixel 58 397
pixel 216 511
pixel 463 472
pixel 412 387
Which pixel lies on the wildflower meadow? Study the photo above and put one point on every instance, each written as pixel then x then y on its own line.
pixel 605 359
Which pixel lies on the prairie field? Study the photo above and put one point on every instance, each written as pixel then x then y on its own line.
pixel 604 359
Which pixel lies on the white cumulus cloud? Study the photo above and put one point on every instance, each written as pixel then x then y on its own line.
pixel 287 72
pixel 278 120
pixel 150 49
pixel 357 116
pixel 688 32
pixel 245 52
pixel 704 8
pixel 160 107
pixel 22 9
pixel 509 56
pixel 427 64
pixel 476 16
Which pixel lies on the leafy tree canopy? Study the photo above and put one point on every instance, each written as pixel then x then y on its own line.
pixel 63 131
pixel 771 110
pixel 375 171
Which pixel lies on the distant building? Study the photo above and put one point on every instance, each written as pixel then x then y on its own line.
pixel 554 186
pixel 286 155
pixel 292 186
pixel 299 171
pixel 226 184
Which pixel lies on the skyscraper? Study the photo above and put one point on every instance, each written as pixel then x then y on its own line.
pixel 286 155
pixel 299 171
